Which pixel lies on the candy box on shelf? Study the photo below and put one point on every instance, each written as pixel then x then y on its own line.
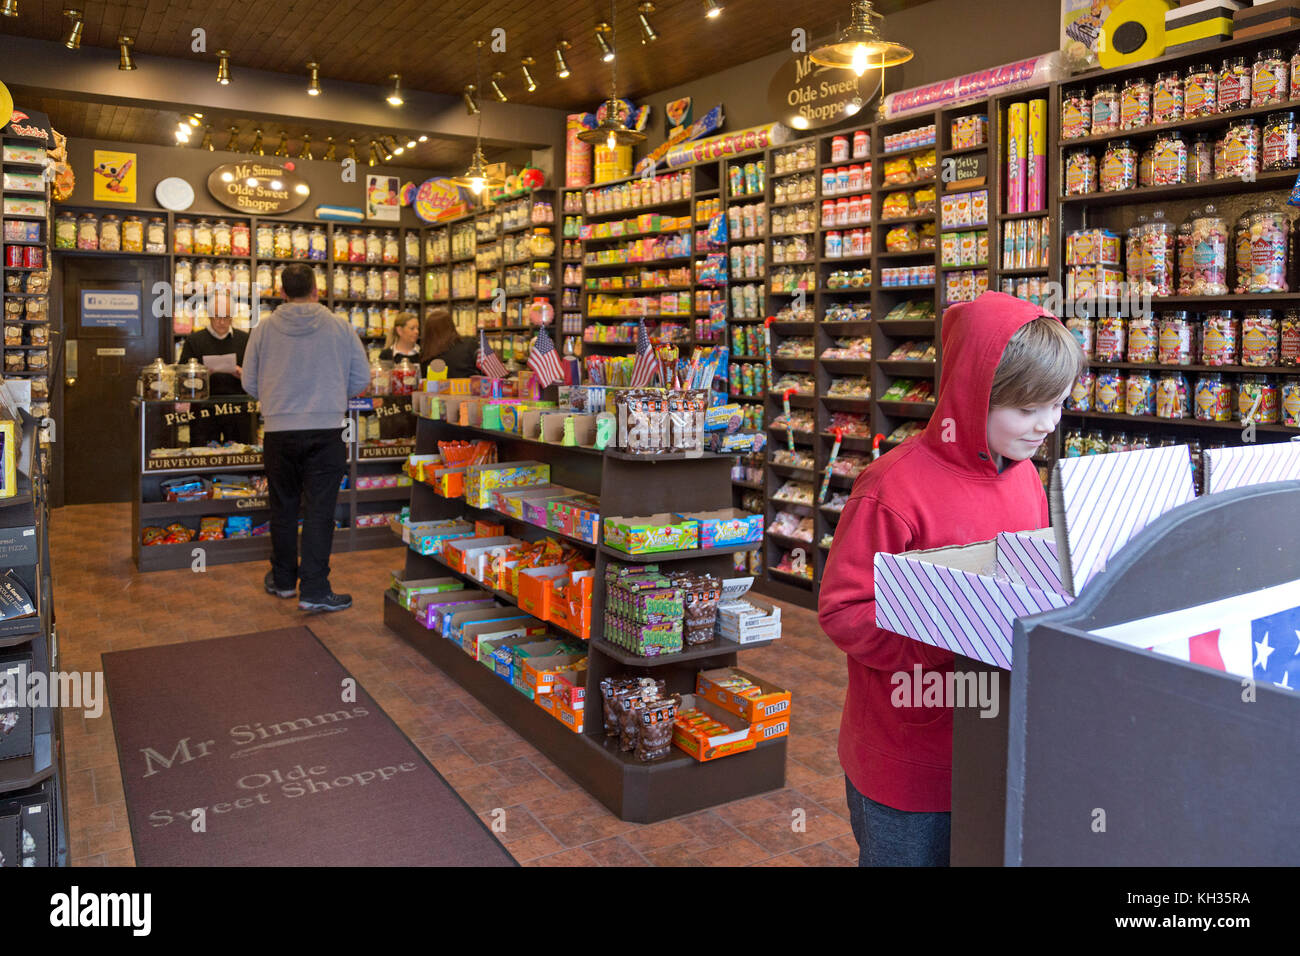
pixel 1091 247
pixel 481 480
pixel 456 620
pixel 648 640
pixel 463 554
pixel 744 620
pixel 447 481
pixel 415 465
pixel 570 687
pixel 475 636
pixel 488 529
pixel 429 607
pixel 497 654
pixel 536 509
pixel 522 653
pixel 429 537
pixel 577 516
pixel 539 672
pixel 749 697
pixel 651 533
pixel 1084 281
pixel 510 501
pixel 21 153
pixel 535 588
pixel 409 591
pixel 966 598
pixel 562 710
pixel 570 606
pixel 707 741
pixel 727 526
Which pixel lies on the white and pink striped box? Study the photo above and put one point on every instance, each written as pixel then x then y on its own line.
pixel 1030 558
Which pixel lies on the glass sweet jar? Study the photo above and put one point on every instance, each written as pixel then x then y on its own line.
pixel 540 243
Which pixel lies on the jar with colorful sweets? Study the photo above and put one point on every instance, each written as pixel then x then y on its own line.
pixel 1082 328
pixel 1171 396
pixel 1260 338
pixel 1200 91
pixel 1110 339
pixel 1213 398
pixel 1270 78
pixel 1289 401
pixel 1082 391
pixel 1167 98
pixel 374 248
pixel 1257 400
pixel 1288 352
pixel 1143 339
pixel 1111 391
pixel 1170 160
pixel 1158 256
pixel 342 247
pixel 65 231
pixel 203 238
pixel 1147 166
pixel 1073 444
pixel 110 234
pixel 356 246
pixel 1134 254
pixel 1220 335
pixel 1280 149
pixel 1076 114
pixel 1135 104
pixel 1270 231
pixel 1209 255
pixel 282 239
pixel 240 242
pixel 1140 395
pixel 1234 85
pixel 299 242
pixel 1240 151
pixel 1177 339
pixel 133 234
pixel 318 245
pixel 1184 243
pixel 1080 172
pixel 1105 108
pixel 1200 160
pixel 183 238
pixel 392 252
pixel 1119 166
pixel 1241 251
pixel 221 238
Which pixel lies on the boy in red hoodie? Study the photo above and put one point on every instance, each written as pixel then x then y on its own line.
pixel 1007 369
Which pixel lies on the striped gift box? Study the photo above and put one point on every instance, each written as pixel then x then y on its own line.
pixel 1228 468
pixel 1030 558
pixel 951 598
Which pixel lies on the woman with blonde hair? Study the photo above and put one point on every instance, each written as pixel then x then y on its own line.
pixel 403 340
pixel 442 341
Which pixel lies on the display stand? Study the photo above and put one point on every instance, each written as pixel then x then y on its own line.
pixel 641 792
pixel 1111 755
pixel 32 794
pixel 365 461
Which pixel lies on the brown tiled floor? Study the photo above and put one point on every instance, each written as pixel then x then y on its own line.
pixel 102 605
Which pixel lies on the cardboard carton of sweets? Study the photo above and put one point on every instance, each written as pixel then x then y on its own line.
pixel 746 621
pixel 690 733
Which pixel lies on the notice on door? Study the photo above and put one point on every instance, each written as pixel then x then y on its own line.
pixel 111 309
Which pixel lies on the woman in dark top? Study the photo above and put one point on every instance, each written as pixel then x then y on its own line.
pixel 219 339
pixel 403 340
pixel 442 341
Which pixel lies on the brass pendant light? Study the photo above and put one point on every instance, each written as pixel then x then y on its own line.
pixel 612 131
pixel 206 142
pixel 859 46
pixel 330 150
pixel 477 177
pixel 232 144
pixel 257 143
pixel 283 148
pixel 305 152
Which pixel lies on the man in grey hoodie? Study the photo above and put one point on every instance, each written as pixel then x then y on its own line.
pixel 302 363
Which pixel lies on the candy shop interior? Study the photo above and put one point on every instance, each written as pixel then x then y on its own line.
pixel 702 272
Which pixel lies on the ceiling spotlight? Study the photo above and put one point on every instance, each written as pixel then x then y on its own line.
pixel 305 152
pixel 206 142
pixel 398 148
pixel 561 68
pixel 10 8
pixel 352 149
pixel 606 54
pixel 232 144
pixel 182 134
pixel 395 97
pixel 374 155
pixel 423 138
pixel 124 59
pixel 223 67
pixel 648 34
pixel 283 148
pixel 313 81
pixel 496 89
pixel 410 142
pixel 712 9
pixel 73 40
pixel 529 82
pixel 257 144
pixel 471 104
pixel 195 119
pixel 388 150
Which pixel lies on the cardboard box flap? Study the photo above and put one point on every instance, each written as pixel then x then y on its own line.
pixel 1030 558
pixel 1243 465
pixel 733 589
pixel 1099 502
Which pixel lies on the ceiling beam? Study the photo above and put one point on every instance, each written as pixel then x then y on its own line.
pixel 186 85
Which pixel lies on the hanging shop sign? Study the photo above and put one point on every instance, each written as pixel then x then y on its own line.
pixel 438 199
pixel 804 96
pixel 29 124
pixel 728 144
pixel 258 188
pixel 1035 71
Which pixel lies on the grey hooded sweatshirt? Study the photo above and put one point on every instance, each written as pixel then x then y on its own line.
pixel 302 363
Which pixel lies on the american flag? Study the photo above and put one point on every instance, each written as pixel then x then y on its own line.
pixel 647 363
pixel 487 360
pixel 1265 648
pixel 544 360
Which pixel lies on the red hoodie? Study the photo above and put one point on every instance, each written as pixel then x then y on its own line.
pixel 938 489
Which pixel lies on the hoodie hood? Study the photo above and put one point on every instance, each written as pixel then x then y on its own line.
pixel 301 318
pixel 974 336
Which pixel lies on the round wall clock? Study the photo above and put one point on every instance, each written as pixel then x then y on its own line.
pixel 175 194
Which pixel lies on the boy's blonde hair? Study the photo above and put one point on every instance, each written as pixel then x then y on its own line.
pixel 1039 364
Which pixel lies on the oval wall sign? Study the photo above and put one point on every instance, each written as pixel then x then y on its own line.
pixel 257 188
pixel 805 96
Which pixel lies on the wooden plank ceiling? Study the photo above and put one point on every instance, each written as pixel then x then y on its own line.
pixel 431 43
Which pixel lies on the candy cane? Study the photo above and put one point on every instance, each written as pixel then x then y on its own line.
pixel 835 453
pixel 767 347
pixel 875 446
pixel 789 424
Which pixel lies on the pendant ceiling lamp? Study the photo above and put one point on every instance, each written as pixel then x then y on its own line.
pixel 859 46
pixel 612 131
pixel 477 177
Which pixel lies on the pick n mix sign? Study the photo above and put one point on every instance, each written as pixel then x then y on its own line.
pixel 967 598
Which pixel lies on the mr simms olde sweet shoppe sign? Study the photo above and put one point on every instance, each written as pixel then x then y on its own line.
pixel 258 189
pixel 803 95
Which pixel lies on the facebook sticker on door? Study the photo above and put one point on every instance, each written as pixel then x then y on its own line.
pixel 111 310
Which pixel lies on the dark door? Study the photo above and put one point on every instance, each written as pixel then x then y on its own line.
pixel 110 333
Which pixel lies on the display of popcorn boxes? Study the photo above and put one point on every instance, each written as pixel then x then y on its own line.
pixel 652 533
pixel 707 732
pixel 746 621
pixel 966 598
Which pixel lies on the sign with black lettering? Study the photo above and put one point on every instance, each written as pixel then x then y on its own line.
pixel 966 170
pixel 805 96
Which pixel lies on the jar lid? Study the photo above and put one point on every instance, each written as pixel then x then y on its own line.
pixel 112 216
pixel 1287 116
